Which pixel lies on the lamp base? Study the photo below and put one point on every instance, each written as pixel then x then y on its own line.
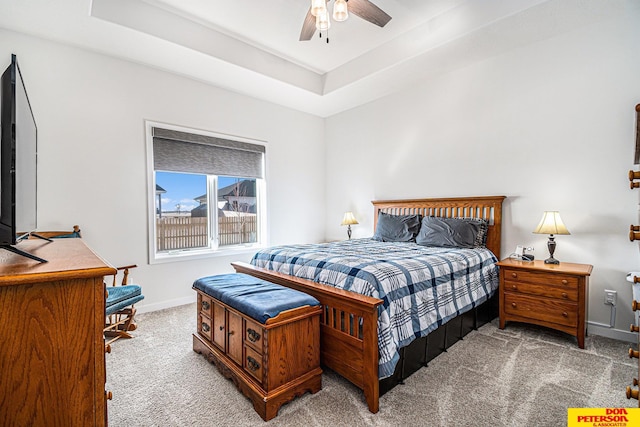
pixel 551 245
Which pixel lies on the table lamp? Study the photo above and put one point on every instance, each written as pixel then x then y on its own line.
pixel 347 220
pixel 551 224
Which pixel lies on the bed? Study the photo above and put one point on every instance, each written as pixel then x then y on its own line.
pixel 351 321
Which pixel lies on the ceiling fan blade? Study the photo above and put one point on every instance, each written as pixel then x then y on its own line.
pixel 369 12
pixel 309 27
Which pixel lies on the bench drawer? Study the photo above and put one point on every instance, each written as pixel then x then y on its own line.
pixel 204 326
pixel 253 363
pixel 204 304
pixel 253 335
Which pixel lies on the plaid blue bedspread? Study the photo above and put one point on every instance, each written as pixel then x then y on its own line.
pixel 421 287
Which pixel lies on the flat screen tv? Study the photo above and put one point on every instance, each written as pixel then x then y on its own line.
pixel 18 162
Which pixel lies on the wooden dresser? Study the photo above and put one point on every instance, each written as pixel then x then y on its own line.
pixel 52 356
pixel 551 295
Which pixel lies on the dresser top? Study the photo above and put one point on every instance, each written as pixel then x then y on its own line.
pixel 539 265
pixel 67 258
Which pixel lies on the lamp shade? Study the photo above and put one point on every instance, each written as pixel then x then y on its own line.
pixel 348 219
pixel 318 6
pixel 323 23
pixel 340 11
pixel 551 223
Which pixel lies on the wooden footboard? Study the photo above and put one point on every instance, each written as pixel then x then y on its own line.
pixel 348 326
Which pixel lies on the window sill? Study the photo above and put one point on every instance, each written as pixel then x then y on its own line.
pixel 188 255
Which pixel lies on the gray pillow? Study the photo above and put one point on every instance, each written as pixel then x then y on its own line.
pixel 453 232
pixel 396 228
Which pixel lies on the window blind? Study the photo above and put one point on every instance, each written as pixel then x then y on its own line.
pixel 176 151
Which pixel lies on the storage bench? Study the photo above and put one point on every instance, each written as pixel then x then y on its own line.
pixel 263 336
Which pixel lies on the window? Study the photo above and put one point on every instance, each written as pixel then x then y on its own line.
pixel 208 193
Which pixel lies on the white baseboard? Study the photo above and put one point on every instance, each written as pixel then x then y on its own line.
pixel 146 308
pixel 616 334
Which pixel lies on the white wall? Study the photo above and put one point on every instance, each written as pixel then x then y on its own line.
pixel 550 125
pixel 90 111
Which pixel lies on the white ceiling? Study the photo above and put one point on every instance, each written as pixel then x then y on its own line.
pixel 252 47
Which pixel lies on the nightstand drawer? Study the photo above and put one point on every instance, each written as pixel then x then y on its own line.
pixel 546 310
pixel 562 293
pixel 563 280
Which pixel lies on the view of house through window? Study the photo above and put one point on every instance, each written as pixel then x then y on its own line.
pixel 186 220
pixel 207 192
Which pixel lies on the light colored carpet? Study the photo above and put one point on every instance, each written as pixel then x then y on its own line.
pixel 520 376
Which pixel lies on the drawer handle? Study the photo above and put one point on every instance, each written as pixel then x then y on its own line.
pixel 253 335
pixel 252 363
pixel 205 327
pixel 206 305
pixel 635 305
pixel 634 328
pixel 222 328
pixel 514 287
pixel 230 333
pixel 514 275
pixel 631 393
pixel 565 282
pixel 633 353
pixel 514 305
pixel 108 395
pixel 564 295
pixel 107 348
pixel 565 314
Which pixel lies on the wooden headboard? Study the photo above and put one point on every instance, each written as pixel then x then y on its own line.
pixel 487 207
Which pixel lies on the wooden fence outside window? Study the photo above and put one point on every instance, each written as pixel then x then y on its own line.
pixel 176 232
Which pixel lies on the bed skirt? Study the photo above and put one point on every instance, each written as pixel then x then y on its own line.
pixel 422 350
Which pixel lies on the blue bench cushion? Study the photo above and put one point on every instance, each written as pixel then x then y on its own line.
pixel 259 299
pixel 119 297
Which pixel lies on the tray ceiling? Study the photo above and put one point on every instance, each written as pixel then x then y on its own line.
pixel 252 47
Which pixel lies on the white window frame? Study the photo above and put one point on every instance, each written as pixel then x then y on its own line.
pixel 213 250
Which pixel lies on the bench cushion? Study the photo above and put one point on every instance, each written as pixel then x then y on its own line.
pixel 259 299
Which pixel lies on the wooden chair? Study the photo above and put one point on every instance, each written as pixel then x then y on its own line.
pixel 120 309
pixel 57 234
pixel 120 299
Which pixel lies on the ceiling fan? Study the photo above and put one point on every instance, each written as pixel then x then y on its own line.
pixel 362 8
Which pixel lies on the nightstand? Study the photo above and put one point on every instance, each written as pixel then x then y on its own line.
pixel 551 295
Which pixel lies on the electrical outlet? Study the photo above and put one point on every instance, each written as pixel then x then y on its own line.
pixel 610 297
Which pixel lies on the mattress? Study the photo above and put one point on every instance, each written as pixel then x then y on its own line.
pixel 421 287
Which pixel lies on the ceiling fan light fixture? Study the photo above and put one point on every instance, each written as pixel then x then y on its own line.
pixel 340 11
pixel 317 6
pixel 323 23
